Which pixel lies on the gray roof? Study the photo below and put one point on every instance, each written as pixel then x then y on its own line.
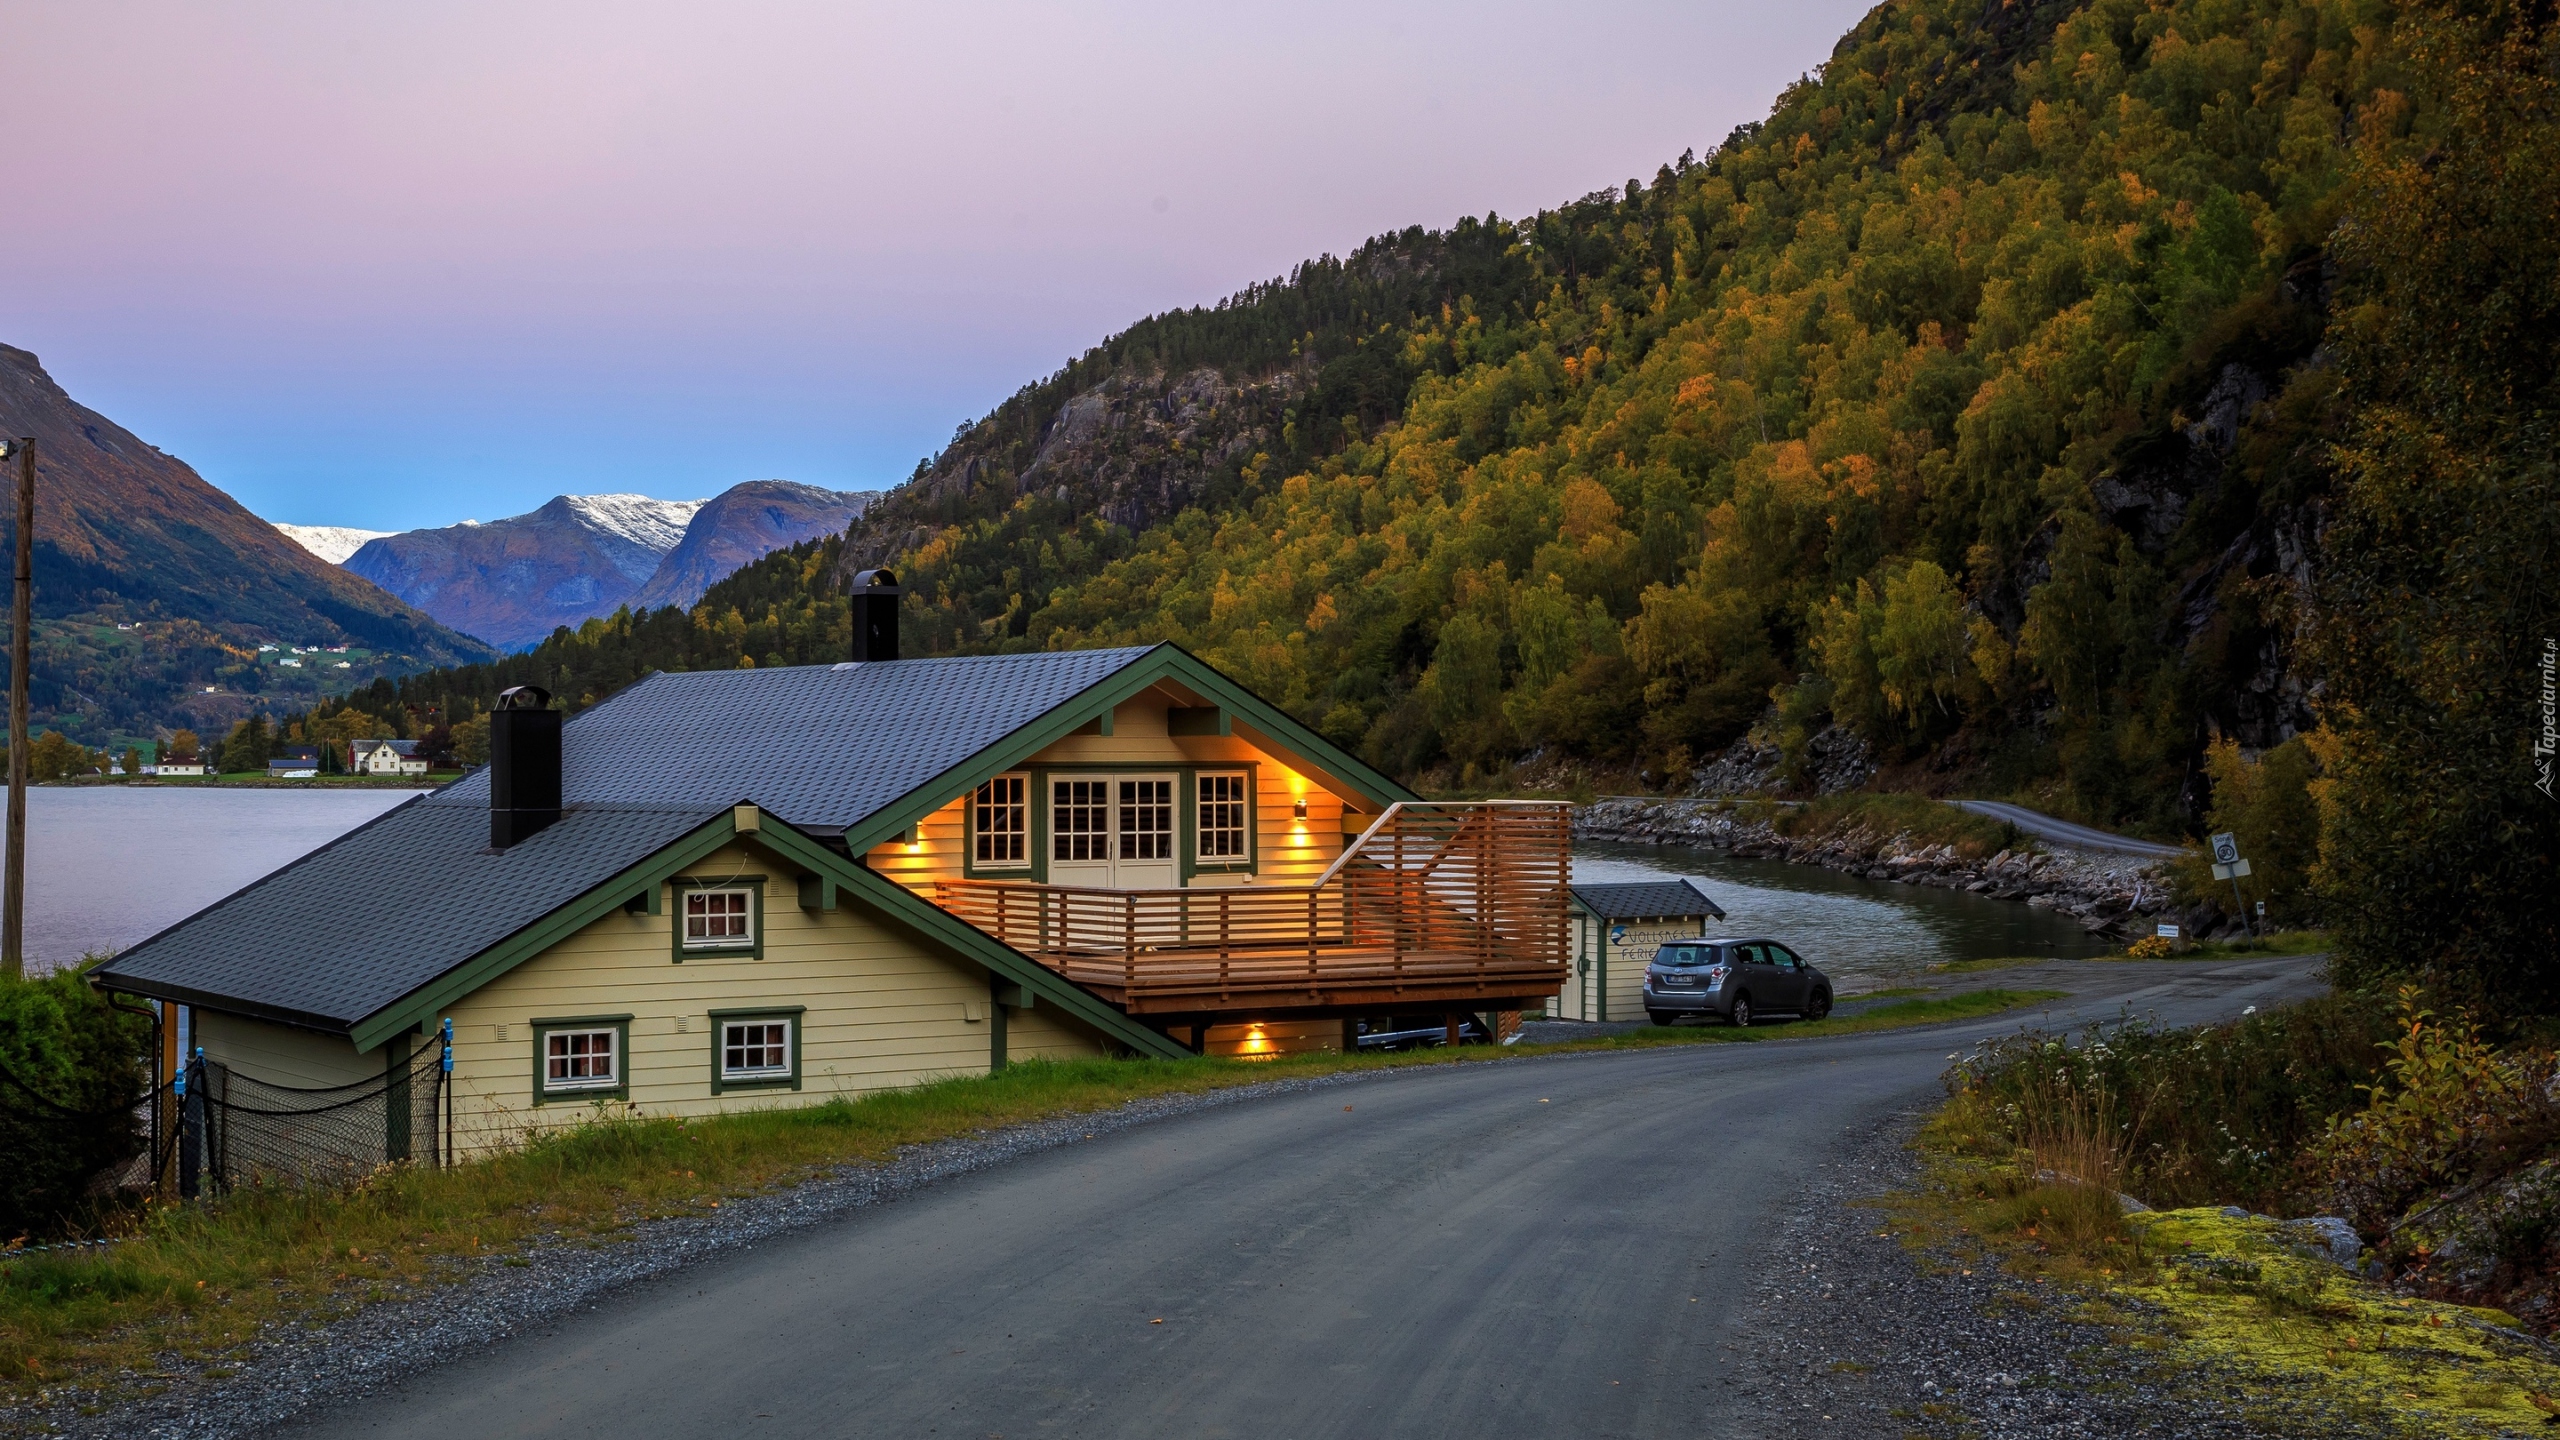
pixel 1631 899
pixel 388 907
pixel 822 746
pixel 324 941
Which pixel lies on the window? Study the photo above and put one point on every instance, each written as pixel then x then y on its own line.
pixel 755 1049
pixel 1222 818
pixel 719 919
pixel 1000 821
pixel 1080 820
pixel 581 1058
pixel 1146 819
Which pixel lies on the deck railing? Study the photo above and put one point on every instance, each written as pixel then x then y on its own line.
pixel 1433 901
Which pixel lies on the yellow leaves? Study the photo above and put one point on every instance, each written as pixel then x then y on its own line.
pixel 1323 615
pixel 1589 510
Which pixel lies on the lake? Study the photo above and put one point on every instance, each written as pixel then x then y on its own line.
pixel 111 865
pixel 108 866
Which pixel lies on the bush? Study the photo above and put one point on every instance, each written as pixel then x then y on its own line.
pixel 2225 1113
pixel 71 1079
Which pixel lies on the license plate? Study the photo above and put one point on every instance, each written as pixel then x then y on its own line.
pixel 1675 980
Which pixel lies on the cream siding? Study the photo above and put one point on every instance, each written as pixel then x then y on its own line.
pixel 1623 949
pixel 881 1011
pixel 285 1055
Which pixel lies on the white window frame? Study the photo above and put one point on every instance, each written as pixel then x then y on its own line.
pixel 610 1080
pixel 1201 829
pixel 982 803
pixel 790 1027
pixel 745 940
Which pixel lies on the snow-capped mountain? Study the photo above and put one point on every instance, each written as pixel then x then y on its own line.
pixel 512 582
pixel 333 543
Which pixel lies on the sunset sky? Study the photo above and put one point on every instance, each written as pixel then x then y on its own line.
pixel 392 266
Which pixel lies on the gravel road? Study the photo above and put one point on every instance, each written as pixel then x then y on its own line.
pixel 1560 1245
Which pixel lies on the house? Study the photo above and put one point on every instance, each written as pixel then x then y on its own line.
pixel 386 757
pixel 177 767
pixel 296 762
pixel 1615 930
pixel 725 889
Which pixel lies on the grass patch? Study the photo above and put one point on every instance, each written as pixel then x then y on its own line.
pixel 2283 942
pixel 2001 962
pixel 2185 1288
pixel 198 1281
pixel 1929 822
pixel 1895 993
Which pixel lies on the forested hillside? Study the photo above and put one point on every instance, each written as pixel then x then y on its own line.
pixel 1964 399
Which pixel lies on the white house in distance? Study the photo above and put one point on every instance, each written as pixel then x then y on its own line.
pixel 386 757
pixel 1615 930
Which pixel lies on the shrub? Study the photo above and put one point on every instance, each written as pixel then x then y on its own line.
pixel 2222 1113
pixel 71 1077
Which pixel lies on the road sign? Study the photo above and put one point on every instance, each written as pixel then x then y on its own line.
pixel 2232 871
pixel 2226 848
pixel 2167 932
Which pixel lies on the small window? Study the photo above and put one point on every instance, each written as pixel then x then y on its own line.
pixel 1222 819
pixel 1146 819
pixel 581 1060
pixel 1000 822
pixel 1080 820
pixel 719 919
pixel 755 1050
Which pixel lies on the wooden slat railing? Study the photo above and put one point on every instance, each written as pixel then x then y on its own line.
pixel 1434 901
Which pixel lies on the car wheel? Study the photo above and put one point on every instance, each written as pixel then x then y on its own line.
pixel 1741 1016
pixel 1820 1007
pixel 1660 1017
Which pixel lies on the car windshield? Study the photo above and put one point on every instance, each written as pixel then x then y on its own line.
pixel 1683 956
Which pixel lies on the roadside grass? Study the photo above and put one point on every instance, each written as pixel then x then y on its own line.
pixel 1930 822
pixel 1894 993
pixel 2184 1289
pixel 189 1285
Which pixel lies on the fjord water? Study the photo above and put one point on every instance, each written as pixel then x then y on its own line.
pixel 110 865
pixel 1866 934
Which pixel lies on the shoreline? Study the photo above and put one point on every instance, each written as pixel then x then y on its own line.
pixel 2108 894
pixel 207 782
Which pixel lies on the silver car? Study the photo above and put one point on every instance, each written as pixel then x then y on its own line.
pixel 1737 981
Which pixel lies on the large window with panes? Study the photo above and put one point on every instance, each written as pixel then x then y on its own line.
pixel 1225 820
pixel 1000 824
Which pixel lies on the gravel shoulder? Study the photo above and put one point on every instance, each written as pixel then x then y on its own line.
pixel 1855 1334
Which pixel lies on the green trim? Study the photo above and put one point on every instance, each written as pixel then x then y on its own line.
pixel 620 1089
pixel 752 950
pixel 816 893
pixel 1273 727
pixel 426 1004
pixel 1199 720
pixel 930 922
pixel 1251 864
pixel 969 832
pixel 720 1083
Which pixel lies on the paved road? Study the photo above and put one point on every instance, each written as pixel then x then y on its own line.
pixel 2063 832
pixel 1540 1249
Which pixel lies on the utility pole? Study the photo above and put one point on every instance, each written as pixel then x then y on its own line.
pixel 13 907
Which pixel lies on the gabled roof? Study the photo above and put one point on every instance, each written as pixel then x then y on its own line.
pixel 1629 900
pixel 855 751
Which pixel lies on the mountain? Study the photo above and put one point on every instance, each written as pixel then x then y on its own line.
pixel 151 585
pixel 333 543
pixel 1970 410
pixel 741 525
pixel 511 582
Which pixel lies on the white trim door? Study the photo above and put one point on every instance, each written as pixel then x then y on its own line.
pixel 1114 832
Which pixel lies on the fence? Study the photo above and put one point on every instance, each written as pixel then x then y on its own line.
pixel 235 1130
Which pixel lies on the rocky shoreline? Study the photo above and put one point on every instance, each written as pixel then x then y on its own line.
pixel 2116 895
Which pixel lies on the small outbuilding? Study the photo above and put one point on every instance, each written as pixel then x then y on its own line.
pixel 1615 928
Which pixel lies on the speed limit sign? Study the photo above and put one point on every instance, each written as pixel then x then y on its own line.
pixel 2226 849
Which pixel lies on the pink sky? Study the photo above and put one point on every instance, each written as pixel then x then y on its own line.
pixel 390 266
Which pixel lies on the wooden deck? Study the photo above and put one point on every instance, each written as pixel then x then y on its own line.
pixel 1436 905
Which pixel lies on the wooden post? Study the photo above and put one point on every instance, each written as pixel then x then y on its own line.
pixel 1129 944
pixel 13 906
pixel 1450 1035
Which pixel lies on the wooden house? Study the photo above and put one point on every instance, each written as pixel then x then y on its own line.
pixel 385 757
pixel 1615 928
pixel 775 886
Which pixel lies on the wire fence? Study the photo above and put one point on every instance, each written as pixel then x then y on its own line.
pixel 235 1130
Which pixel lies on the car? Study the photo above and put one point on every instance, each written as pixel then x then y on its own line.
pixel 1413 1032
pixel 1734 980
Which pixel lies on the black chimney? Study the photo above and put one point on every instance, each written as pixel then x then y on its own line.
pixel 524 765
pixel 875 615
